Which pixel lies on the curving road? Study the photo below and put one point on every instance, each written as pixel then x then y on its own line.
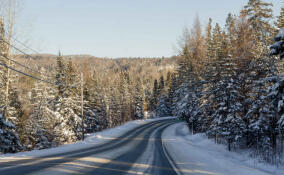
pixel 138 151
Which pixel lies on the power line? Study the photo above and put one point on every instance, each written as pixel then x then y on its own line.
pixel 21 65
pixel 27 47
pixel 18 49
pixel 32 76
pixel 23 73
pixel 24 54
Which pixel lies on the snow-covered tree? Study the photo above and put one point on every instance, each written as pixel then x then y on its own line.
pixel 230 30
pixel 209 42
pixel 259 15
pixel 9 141
pixel 138 100
pixel 125 97
pixel 163 109
pixel 217 42
pixel 278 47
pixel 37 132
pixel 67 123
pixel 94 105
pixel 155 95
pixel 280 20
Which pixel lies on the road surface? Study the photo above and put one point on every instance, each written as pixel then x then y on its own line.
pixel 138 151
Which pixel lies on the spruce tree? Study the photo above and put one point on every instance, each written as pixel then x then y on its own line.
pixel 217 42
pixel 209 42
pixel 161 86
pixel 280 20
pixel 38 130
pixel 155 96
pixel 9 141
pixel 125 97
pixel 138 100
pixel 230 30
pixel 259 14
pixel 67 124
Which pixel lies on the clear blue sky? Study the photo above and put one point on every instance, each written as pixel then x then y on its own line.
pixel 118 28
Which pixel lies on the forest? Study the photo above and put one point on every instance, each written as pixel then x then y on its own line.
pixel 223 82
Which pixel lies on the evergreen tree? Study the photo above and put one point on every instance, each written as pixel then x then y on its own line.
pixel 38 130
pixel 217 42
pixel 209 42
pixel 155 96
pixel 9 141
pixel 95 105
pixel 163 106
pixel 230 29
pixel 280 20
pixel 125 97
pixel 138 100
pixel 115 108
pixel 161 86
pixel 67 123
pixel 9 138
pixel 259 14
pixel 278 47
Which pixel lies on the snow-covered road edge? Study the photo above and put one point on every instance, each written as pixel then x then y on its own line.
pixel 91 140
pixel 197 154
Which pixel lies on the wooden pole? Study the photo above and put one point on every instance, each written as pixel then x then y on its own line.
pixel 82 105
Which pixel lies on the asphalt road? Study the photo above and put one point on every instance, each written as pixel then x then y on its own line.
pixel 138 151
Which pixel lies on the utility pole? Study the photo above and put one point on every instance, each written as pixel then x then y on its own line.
pixel 10 32
pixel 82 104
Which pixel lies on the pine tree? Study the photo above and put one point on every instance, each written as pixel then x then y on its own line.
pixel 67 123
pixel 280 20
pixel 95 105
pixel 259 14
pixel 217 42
pixel 138 100
pixel 163 106
pixel 169 79
pixel 125 97
pixel 38 130
pixel 155 96
pixel 115 108
pixel 60 77
pixel 171 93
pixel 230 29
pixel 277 48
pixel 209 42
pixel 161 86
pixel 9 141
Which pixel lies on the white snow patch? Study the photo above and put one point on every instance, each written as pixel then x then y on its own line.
pixel 196 153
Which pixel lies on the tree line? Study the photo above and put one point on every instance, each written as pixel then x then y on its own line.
pixel 42 114
pixel 228 86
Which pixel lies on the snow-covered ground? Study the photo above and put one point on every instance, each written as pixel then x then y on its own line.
pixel 195 154
pixel 91 140
pixel 191 154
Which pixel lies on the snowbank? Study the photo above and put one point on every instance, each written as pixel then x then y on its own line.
pixel 91 140
pixel 197 154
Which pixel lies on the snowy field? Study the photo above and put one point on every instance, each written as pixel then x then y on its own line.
pixel 91 140
pixel 195 154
